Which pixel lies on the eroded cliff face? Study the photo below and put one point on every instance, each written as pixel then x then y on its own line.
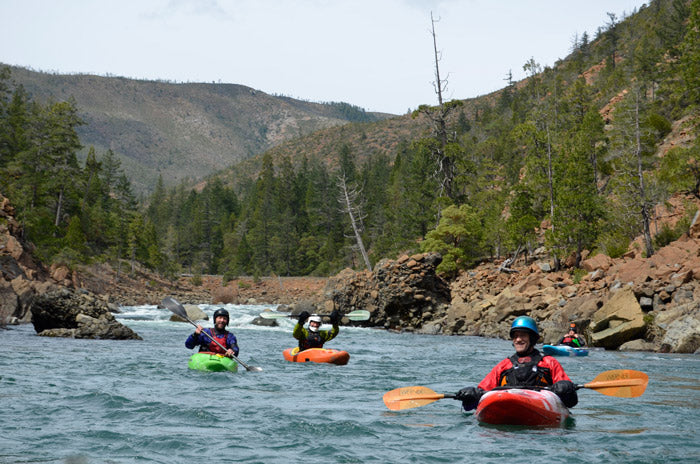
pixel 29 292
pixel 21 276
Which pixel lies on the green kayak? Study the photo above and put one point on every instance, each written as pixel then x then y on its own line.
pixel 206 361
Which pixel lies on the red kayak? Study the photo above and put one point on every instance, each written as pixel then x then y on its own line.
pixel 521 407
pixel 317 355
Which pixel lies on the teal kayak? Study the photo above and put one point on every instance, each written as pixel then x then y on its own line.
pixel 206 361
pixel 564 350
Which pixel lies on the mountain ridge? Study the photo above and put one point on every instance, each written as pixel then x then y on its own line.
pixel 181 130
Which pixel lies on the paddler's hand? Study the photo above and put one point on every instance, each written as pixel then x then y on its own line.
pixel 566 391
pixel 230 353
pixel 198 330
pixel 469 397
pixel 335 317
pixel 303 317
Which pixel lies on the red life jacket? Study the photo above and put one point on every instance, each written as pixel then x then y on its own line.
pixel 213 347
pixel 526 372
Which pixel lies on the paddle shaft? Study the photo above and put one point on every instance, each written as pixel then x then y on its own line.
pixel 357 315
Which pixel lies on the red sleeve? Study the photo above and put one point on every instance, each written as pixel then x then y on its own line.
pixel 491 380
pixel 558 373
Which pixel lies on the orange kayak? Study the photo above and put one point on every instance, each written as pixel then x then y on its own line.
pixel 317 355
pixel 521 407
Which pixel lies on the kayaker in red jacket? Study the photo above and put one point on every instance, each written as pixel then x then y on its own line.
pixel 572 338
pixel 219 333
pixel 526 368
pixel 313 337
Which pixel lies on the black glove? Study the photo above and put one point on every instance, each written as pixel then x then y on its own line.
pixel 566 391
pixel 469 397
pixel 335 317
pixel 303 317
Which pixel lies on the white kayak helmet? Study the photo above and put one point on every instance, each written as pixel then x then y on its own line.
pixel 314 318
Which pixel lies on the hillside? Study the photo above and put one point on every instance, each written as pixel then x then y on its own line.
pixel 181 130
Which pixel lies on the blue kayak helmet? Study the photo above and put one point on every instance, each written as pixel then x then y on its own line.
pixel 221 312
pixel 526 323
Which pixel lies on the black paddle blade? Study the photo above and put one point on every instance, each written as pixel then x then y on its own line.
pixel 173 305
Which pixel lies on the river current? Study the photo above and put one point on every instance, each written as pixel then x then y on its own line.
pixel 103 401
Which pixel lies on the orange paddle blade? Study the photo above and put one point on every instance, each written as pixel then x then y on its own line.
pixel 624 383
pixel 410 397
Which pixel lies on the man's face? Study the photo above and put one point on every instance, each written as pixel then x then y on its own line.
pixel 220 322
pixel 521 341
pixel 314 325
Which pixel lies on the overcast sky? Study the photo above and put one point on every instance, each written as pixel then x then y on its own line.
pixel 376 54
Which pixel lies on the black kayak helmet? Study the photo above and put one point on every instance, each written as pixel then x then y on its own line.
pixel 221 312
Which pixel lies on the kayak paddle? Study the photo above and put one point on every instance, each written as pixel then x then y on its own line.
pixel 173 305
pixel 412 397
pixel 357 315
pixel 623 383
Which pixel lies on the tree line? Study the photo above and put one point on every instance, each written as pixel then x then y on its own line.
pixel 549 160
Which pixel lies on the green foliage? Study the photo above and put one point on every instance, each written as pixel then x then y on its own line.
pixel 457 238
pixel 196 279
pixel 660 124
pixel 614 243
pixel 578 274
pixel 668 234
pixel 680 169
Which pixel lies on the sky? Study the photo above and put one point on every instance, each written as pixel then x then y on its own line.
pixel 375 54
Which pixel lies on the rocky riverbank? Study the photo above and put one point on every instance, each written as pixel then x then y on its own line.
pixel 630 303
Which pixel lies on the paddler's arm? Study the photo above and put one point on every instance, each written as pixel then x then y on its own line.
pixel 491 380
pixel 232 343
pixel 335 321
pixel 193 340
pixel 299 332
pixel 327 335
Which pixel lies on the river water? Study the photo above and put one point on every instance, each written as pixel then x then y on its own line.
pixel 103 401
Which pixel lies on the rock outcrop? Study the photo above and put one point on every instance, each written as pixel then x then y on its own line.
pixel 405 294
pixel 64 313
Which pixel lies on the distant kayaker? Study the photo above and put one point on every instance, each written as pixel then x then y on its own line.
pixel 218 333
pixel 526 368
pixel 314 337
pixel 572 338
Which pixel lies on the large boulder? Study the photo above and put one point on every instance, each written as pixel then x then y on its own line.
pixel 64 313
pixel 193 314
pixel 683 335
pixel 405 294
pixel 620 320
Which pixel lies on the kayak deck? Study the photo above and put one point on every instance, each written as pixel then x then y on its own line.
pixel 317 355
pixel 207 361
pixel 521 407
pixel 564 350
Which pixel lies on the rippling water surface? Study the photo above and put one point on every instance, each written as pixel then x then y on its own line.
pixel 99 401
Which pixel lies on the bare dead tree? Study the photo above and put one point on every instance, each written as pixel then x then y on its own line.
pixel 445 168
pixel 350 203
